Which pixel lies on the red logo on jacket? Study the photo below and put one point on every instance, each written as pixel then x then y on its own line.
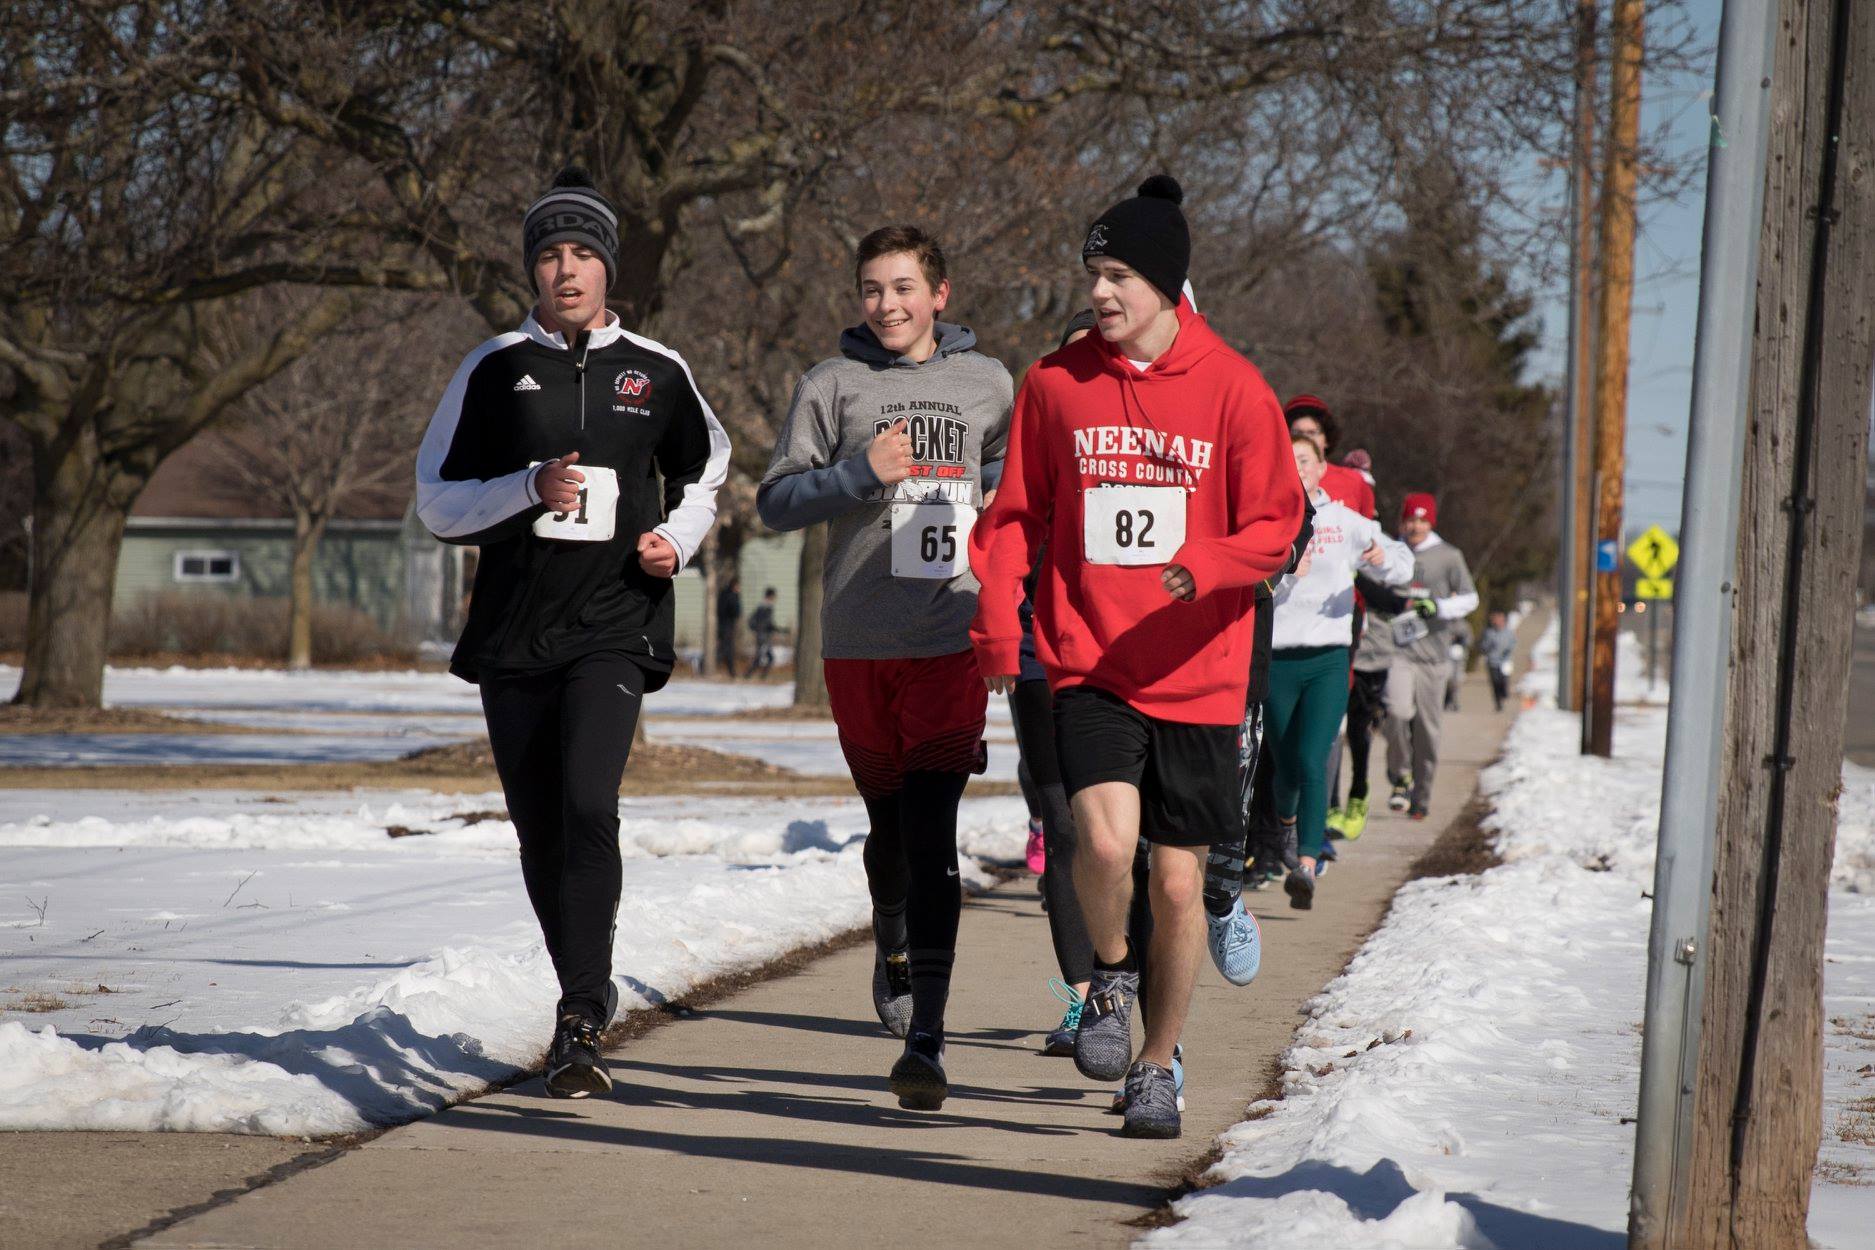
pixel 632 384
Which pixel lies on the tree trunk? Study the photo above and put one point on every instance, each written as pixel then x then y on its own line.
pixel 307 531
pixel 79 509
pixel 810 679
pixel 712 582
pixel 1757 1088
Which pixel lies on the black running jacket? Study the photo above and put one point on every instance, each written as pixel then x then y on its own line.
pixel 623 402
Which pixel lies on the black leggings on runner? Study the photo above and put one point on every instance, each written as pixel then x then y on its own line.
pixel 1367 710
pixel 911 869
pixel 560 740
pixel 1033 708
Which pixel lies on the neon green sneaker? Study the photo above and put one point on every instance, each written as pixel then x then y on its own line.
pixel 1334 822
pixel 1354 819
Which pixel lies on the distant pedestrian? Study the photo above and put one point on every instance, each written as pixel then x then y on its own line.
pixel 1497 647
pixel 763 628
pixel 1460 650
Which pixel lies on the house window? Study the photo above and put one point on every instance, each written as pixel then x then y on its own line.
pixel 207 566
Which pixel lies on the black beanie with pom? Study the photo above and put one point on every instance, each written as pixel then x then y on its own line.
pixel 1148 234
pixel 572 211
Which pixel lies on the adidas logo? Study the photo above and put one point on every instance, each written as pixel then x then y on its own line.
pixel 527 383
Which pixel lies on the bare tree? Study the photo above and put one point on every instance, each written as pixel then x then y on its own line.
pixel 336 430
pixel 118 185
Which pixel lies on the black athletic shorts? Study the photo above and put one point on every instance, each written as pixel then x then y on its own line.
pixel 1186 774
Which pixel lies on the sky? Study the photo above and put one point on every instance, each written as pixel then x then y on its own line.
pixel 1666 296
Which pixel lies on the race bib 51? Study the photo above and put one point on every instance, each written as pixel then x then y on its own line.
pixel 591 520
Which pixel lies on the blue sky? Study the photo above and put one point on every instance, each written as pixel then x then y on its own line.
pixel 1666 298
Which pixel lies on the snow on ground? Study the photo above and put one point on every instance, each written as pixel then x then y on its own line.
pixel 1464 1082
pixel 341 717
pixel 238 963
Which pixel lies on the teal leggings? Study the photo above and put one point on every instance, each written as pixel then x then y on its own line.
pixel 1308 697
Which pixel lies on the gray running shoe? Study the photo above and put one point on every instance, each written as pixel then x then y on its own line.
pixel 918 1077
pixel 891 990
pixel 1103 1044
pixel 1151 1102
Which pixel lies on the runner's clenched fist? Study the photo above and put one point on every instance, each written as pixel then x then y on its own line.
pixel 557 483
pixel 890 454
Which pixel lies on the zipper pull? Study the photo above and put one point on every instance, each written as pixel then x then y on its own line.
pixel 582 343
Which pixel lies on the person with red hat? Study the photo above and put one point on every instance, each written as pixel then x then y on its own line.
pixel 1441 593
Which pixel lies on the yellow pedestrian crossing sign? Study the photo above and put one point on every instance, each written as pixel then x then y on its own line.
pixel 1653 588
pixel 1654 554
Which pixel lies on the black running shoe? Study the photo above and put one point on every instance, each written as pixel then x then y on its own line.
pixel 574 1067
pixel 918 1077
pixel 1402 796
pixel 1416 812
pixel 1300 886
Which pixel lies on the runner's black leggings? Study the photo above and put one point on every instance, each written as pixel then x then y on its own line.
pixel 1033 708
pixel 560 741
pixel 1367 710
pixel 911 869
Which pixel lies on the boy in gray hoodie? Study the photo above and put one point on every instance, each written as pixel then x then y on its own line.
pixel 893 443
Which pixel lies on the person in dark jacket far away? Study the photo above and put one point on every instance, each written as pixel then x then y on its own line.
pixel 584 462
pixel 728 616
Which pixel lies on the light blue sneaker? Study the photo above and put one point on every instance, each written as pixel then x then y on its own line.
pixel 1236 944
pixel 1178 1083
pixel 1061 1041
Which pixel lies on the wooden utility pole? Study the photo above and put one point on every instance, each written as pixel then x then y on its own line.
pixel 1757 1089
pixel 1578 563
pixel 810 677
pixel 1611 358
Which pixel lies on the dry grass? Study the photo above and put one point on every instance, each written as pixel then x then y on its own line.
pixel 35 1002
pixel 15 719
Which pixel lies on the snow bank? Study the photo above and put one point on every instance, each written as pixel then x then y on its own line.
pixel 1464 1082
pixel 196 917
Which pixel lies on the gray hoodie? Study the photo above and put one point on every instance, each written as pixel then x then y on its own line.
pixel 957 405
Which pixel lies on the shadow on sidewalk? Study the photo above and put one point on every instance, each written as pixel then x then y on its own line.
pixel 1378 1192
pixel 988 1039
pixel 926 1167
pixel 870 1086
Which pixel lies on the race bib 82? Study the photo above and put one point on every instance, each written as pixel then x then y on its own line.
pixel 1132 525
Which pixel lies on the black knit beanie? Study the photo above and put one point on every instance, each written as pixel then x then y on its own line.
pixel 571 211
pixel 1148 234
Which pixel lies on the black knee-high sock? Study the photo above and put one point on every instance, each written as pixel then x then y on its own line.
pixel 1224 866
pixel 928 817
pixel 887 878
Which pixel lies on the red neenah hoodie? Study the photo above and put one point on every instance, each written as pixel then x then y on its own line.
pixel 1202 418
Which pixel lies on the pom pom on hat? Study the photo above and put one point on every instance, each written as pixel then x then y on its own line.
pixel 1162 187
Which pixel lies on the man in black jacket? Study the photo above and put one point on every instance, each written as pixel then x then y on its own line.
pixel 584 462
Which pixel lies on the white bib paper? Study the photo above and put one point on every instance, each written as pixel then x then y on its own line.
pixel 592 519
pixel 1409 628
pixel 931 540
pixel 1132 525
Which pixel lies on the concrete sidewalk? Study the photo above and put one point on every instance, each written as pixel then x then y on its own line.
pixel 765 1119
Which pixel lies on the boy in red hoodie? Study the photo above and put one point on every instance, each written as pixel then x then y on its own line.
pixel 1154 462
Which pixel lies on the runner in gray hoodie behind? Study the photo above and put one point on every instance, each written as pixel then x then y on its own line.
pixel 893 443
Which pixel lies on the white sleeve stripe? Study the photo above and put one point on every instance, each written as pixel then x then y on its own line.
pixel 690 521
pixel 454 508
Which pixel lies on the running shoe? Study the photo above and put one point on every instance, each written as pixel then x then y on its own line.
pixel 1035 853
pixel 1300 886
pixel 574 1068
pixel 1416 812
pixel 1354 819
pixel 891 989
pixel 1118 1106
pixel 1402 796
pixel 1060 1042
pixel 1236 944
pixel 1103 1041
pixel 918 1077
pixel 1152 1102
pixel 1333 822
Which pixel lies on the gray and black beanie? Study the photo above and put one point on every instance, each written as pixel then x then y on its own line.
pixel 572 211
pixel 1147 233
